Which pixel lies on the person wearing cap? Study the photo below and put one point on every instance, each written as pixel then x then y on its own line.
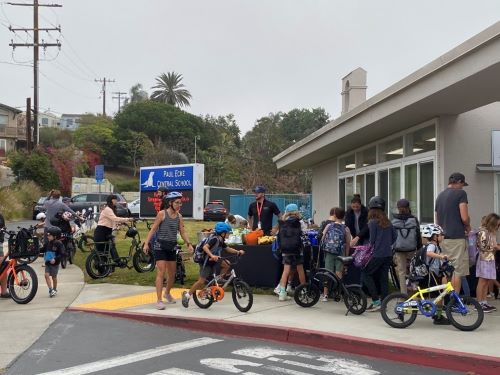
pixel 160 195
pixel 451 212
pixel 408 241
pixel 260 212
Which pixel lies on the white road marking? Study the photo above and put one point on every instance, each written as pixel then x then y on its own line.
pixel 176 371
pixel 283 370
pixel 228 364
pixel 134 357
pixel 340 366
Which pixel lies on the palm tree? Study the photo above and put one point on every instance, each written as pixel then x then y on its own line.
pixel 170 90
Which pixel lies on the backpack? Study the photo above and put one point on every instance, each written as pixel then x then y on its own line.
pixel 473 247
pixel 407 234
pixel 333 239
pixel 290 236
pixel 199 254
pixel 418 265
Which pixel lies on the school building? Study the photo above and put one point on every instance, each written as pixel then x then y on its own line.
pixel 408 139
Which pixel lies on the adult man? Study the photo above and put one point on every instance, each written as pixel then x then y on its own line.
pixel 235 221
pixel 53 205
pixel 260 212
pixel 452 214
pixel 160 195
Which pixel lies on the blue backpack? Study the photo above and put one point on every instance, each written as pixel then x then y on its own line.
pixel 333 240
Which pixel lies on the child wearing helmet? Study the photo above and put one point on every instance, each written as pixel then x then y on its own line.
pixel 54 251
pixel 213 249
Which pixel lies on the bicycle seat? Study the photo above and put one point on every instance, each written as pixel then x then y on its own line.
pixel 346 260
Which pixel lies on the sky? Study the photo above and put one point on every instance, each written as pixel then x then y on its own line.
pixel 245 57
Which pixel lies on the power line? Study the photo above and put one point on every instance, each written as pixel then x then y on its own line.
pixel 66 88
pixel 104 80
pixel 119 96
pixel 93 73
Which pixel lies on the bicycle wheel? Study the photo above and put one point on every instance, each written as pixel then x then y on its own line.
pixel 84 243
pixel 64 261
pixel 465 321
pixel 24 291
pixel 394 276
pixel 306 295
pixel 355 300
pixel 397 319
pixel 203 298
pixel 143 262
pixel 96 267
pixel 242 295
pixel 70 250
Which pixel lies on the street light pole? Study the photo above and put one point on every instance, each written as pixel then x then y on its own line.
pixel 196 138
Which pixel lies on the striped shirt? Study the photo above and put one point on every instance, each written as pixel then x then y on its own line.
pixel 169 227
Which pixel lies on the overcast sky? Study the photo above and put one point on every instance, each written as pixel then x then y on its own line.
pixel 246 57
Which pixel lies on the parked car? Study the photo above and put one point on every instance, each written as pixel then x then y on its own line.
pixel 87 200
pixel 215 210
pixel 135 207
pixel 38 206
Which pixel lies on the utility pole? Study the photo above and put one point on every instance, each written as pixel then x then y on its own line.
pixel 36 44
pixel 28 125
pixel 119 97
pixel 103 91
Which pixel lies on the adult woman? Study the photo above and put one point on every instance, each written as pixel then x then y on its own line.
pixel 168 223
pixel 356 219
pixel 382 236
pixel 107 221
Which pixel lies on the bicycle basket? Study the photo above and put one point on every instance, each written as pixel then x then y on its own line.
pixel 24 245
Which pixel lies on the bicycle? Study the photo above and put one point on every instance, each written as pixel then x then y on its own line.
pixel 214 290
pixel 68 241
pixel 400 311
pixel 180 269
pixel 100 264
pixel 83 241
pixel 32 242
pixel 22 281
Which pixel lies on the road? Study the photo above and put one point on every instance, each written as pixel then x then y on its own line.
pixel 83 343
pixel 25 223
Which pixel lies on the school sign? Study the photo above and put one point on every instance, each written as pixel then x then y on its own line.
pixel 188 179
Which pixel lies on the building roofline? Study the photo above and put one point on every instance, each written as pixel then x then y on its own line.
pixel 9 108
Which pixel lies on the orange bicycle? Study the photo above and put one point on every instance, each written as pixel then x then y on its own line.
pixel 22 281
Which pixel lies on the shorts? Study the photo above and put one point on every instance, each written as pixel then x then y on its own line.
pixel 333 263
pixel 456 251
pixel 168 256
pixel 208 269
pixel 293 259
pixel 52 269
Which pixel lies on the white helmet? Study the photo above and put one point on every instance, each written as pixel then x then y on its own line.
pixel 40 216
pixel 431 229
pixel 67 216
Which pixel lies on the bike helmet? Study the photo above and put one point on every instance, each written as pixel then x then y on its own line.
pixel 292 207
pixel 54 231
pixel 431 229
pixel 131 232
pixel 173 195
pixel 222 228
pixel 67 216
pixel 377 202
pixel 162 189
pixel 41 216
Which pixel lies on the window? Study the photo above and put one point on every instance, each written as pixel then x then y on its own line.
pixel 342 193
pixel 427 192
pixel 391 150
pixel 411 186
pixel 349 189
pixel 394 190
pixel 80 198
pixel 45 121
pixel 3 147
pixel 360 185
pixel 4 120
pixel 383 184
pixel 366 157
pixel 422 140
pixel 370 186
pixel 347 163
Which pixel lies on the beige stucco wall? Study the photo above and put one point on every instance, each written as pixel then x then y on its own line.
pixel 324 189
pixel 465 141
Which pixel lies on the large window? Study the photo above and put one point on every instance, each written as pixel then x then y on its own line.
pixel 383 184
pixel 411 187
pixel 391 150
pixel 347 163
pixel 422 140
pixel 427 192
pixel 4 120
pixel 367 157
pixel 370 186
pixel 394 189
pixel 342 202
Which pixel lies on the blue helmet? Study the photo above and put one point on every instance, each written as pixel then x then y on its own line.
pixel 221 227
pixel 292 207
pixel 173 195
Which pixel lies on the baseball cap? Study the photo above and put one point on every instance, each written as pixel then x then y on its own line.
pixel 292 207
pixel 403 203
pixel 259 189
pixel 456 178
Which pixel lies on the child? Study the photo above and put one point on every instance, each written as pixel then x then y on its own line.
pixel 485 267
pixel 290 230
pixel 336 238
pixel 434 260
pixel 213 250
pixel 53 254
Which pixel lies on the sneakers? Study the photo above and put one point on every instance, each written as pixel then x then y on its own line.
pixel 52 293
pixel 375 306
pixel 160 305
pixel 488 308
pixel 290 289
pixel 170 299
pixel 324 298
pixel 440 320
pixel 277 290
pixel 185 299
pixel 283 296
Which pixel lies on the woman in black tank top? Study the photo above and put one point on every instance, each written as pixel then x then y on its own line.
pixel 167 224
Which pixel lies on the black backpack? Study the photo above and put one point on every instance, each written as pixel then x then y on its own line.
pixel 290 236
pixel 419 269
pixel 199 255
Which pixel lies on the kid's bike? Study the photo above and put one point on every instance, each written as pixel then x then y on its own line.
pixel 400 311
pixel 214 291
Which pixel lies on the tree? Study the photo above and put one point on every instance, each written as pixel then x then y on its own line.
pixel 36 167
pixel 55 137
pixel 137 94
pixel 97 137
pixel 170 90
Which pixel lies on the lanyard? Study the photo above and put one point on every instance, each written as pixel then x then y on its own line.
pixel 259 209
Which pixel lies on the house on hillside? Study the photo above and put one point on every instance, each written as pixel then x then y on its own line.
pixel 12 130
pixel 70 121
pixel 408 139
pixel 48 120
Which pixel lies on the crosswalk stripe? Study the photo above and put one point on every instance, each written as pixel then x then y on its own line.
pixel 176 371
pixel 105 364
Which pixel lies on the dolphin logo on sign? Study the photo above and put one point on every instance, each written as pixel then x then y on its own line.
pixel 149 180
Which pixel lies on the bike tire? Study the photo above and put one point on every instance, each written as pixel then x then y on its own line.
pixel 355 300
pixel 70 249
pixel 64 261
pixel 143 262
pixel 93 267
pixel 27 260
pixel 83 244
pixel 203 298
pixel 242 290
pixel 393 318
pixel 180 273
pixel 28 284
pixel 474 310
pixel 307 295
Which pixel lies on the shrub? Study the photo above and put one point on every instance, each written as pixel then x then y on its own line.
pixel 16 201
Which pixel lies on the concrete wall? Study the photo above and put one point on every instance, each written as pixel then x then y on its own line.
pixel 324 189
pixel 465 142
